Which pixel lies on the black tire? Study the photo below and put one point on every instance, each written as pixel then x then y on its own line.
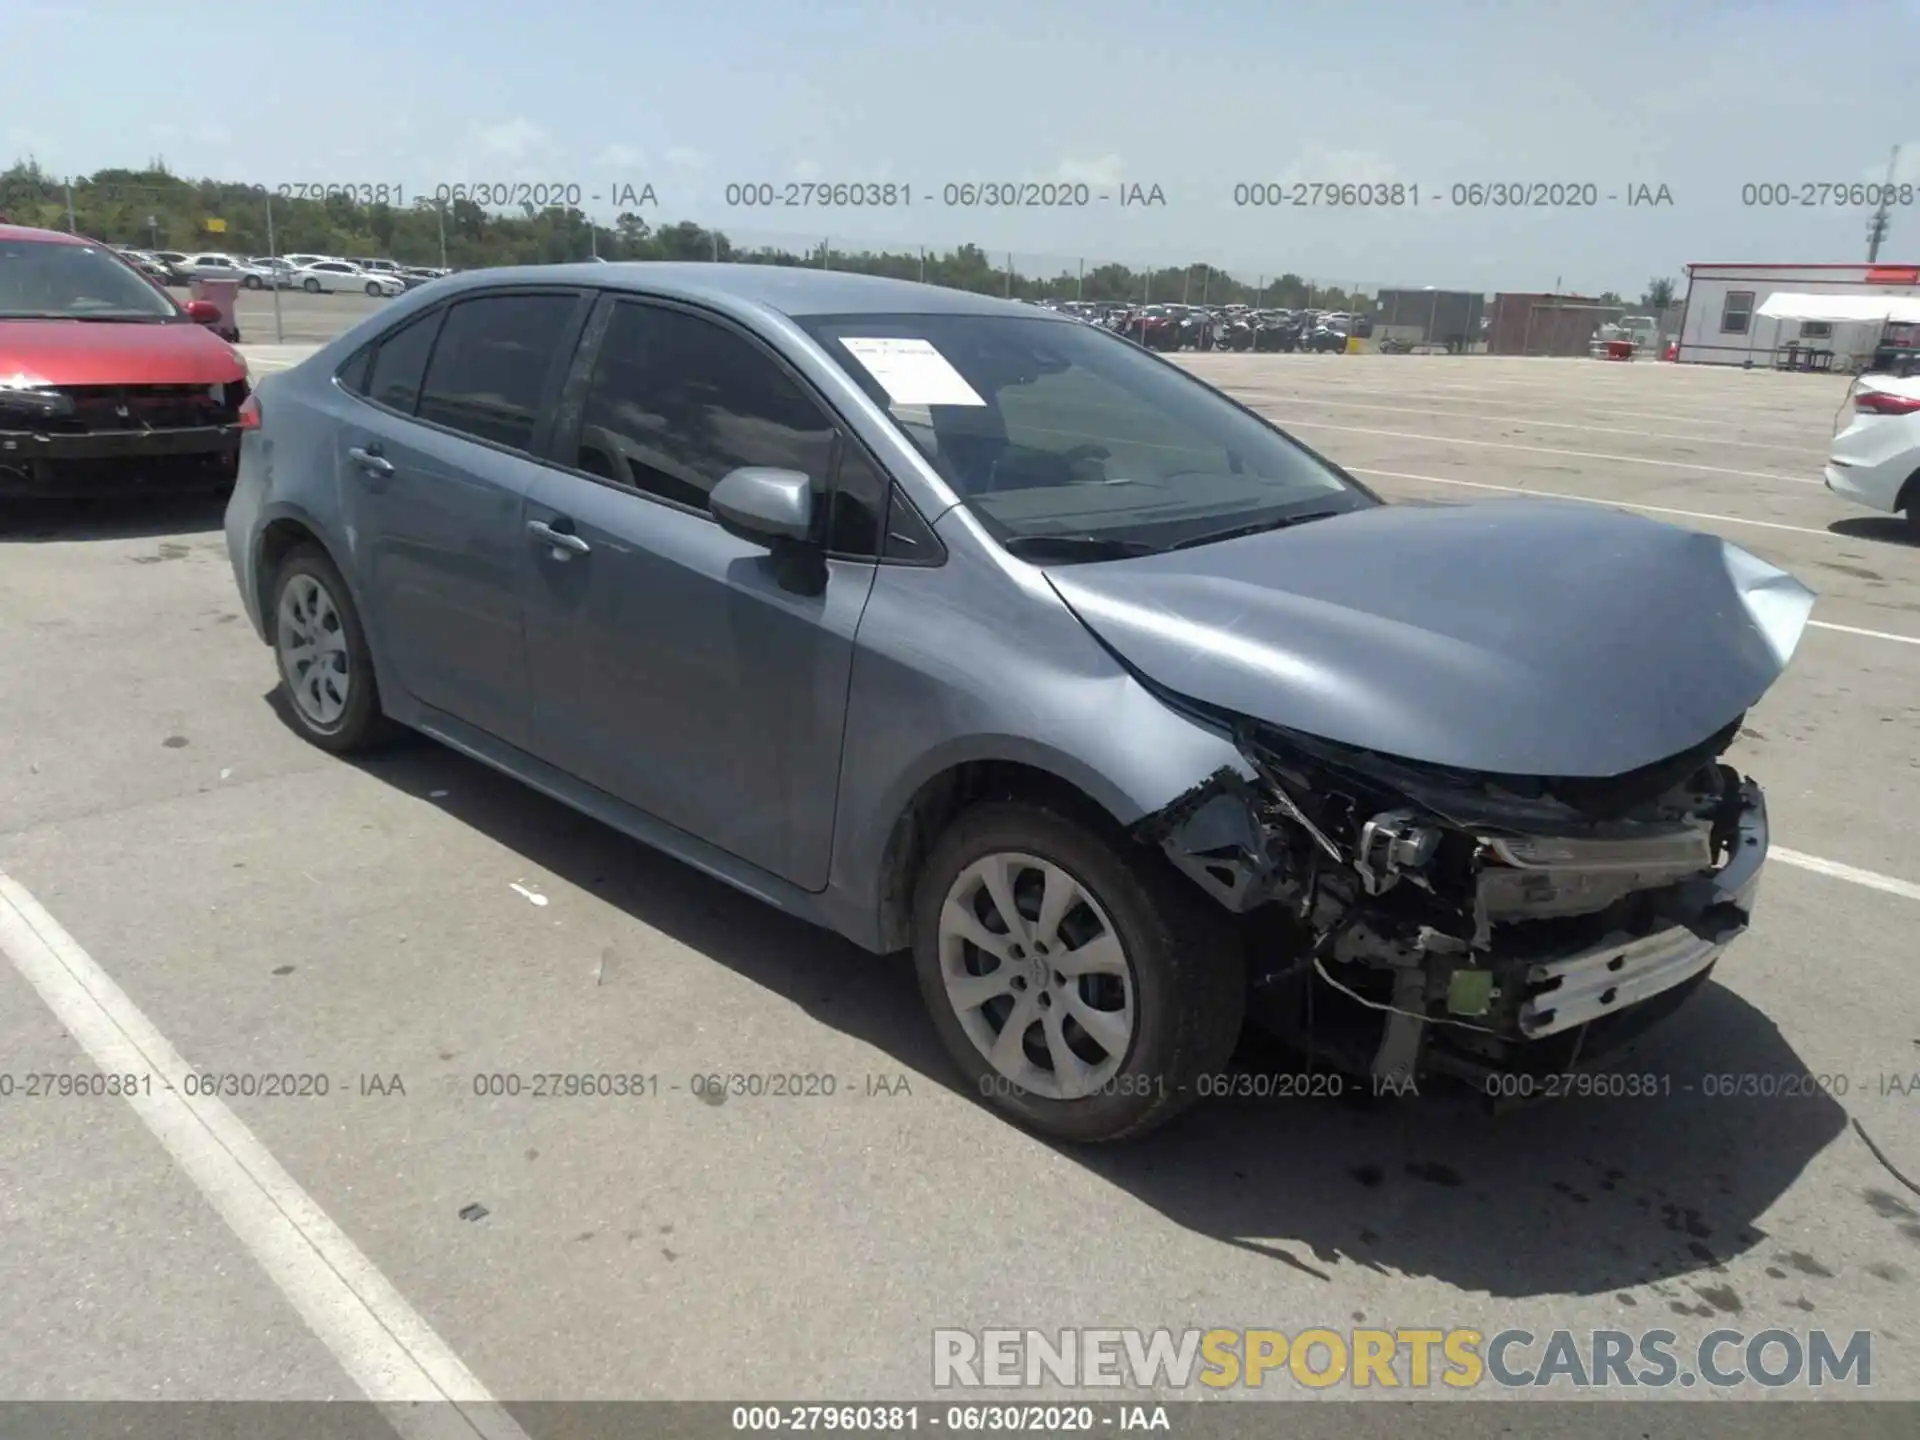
pixel 373 288
pixel 311 286
pixel 362 724
pixel 251 282
pixel 1183 956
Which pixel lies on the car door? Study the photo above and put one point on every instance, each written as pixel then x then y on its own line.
pixel 434 471
pixel 683 669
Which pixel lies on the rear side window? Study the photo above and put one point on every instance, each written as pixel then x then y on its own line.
pixel 400 362
pixel 489 371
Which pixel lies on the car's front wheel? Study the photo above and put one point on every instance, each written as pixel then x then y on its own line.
pixel 1080 989
pixel 374 288
pixel 251 282
pixel 322 653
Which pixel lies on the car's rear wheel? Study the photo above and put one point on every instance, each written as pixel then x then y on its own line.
pixel 251 282
pixel 322 653
pixel 1080 990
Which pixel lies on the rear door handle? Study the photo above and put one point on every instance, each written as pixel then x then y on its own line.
pixel 564 541
pixel 370 461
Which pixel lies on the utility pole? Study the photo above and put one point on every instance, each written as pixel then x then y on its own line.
pixel 1881 222
pixel 273 249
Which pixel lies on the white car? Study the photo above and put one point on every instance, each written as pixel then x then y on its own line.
pixel 337 275
pixel 299 260
pixel 1875 461
pixel 214 266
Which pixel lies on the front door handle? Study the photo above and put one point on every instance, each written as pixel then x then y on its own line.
pixel 564 542
pixel 370 461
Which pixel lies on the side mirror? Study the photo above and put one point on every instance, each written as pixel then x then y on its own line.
pixel 770 507
pixel 203 312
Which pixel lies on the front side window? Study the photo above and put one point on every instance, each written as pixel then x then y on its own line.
pixel 1050 430
pixel 489 369
pixel 676 402
pixel 51 280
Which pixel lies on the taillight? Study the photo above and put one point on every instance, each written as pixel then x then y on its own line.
pixel 250 413
pixel 1885 402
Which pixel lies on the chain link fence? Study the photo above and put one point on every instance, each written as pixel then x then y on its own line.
pixel 446 229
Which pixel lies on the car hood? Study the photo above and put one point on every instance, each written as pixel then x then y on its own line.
pixel 1517 637
pixel 89 352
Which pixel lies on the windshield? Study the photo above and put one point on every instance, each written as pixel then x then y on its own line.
pixel 1050 429
pixel 46 279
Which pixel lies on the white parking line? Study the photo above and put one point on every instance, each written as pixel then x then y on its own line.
pixel 1546 450
pixel 1507 395
pixel 1852 874
pixel 390 1352
pixel 1807 450
pixel 1870 634
pixel 1590 500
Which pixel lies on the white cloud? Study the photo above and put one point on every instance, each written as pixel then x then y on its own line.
pixel 516 139
pixel 1338 167
pixel 1104 171
pixel 806 170
pixel 682 158
pixel 618 157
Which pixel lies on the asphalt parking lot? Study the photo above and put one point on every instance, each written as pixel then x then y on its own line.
pixel 302 319
pixel 405 925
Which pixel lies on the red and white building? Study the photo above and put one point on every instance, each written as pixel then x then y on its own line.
pixel 1722 324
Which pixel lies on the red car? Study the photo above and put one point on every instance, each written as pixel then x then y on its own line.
pixel 106 382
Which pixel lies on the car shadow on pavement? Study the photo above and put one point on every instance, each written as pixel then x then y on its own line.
pixel 1574 1196
pixel 116 517
pixel 1889 529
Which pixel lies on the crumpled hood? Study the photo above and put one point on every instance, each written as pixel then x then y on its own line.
pixel 1519 637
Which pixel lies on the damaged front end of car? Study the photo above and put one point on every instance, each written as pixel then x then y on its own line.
pixel 1409 921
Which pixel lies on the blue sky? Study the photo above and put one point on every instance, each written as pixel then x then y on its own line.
pixel 1701 97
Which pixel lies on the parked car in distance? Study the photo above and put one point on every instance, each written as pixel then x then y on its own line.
pixel 332 276
pixel 277 267
pixel 106 382
pixel 378 267
pixel 301 261
pixel 998 640
pixel 219 266
pixel 1875 460
pixel 173 266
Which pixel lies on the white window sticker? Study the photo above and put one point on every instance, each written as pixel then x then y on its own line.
pixel 912 372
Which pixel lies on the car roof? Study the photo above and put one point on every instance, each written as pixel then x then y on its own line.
pixel 781 289
pixel 28 232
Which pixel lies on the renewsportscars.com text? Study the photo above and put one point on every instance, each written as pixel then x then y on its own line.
pixel 1459 1359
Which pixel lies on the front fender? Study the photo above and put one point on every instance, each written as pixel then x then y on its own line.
pixel 953 668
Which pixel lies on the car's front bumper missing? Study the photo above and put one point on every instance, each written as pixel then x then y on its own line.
pixel 109 461
pixel 1622 970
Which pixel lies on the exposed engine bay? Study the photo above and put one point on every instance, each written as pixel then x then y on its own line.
pixel 1408 921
